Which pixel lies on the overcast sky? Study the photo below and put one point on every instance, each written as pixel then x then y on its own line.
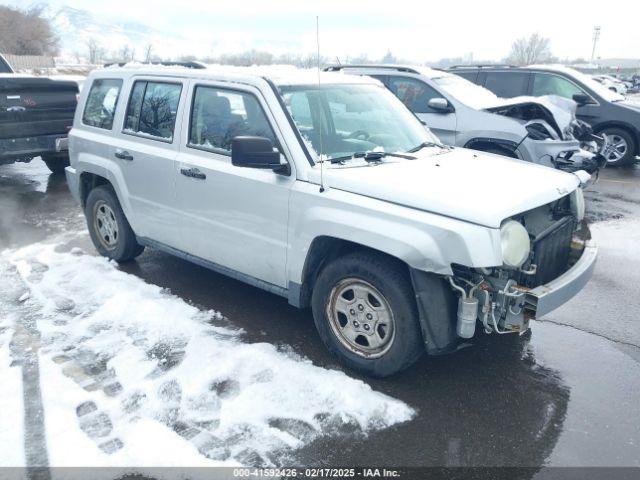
pixel 414 30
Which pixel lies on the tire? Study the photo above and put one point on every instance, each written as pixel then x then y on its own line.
pixel 108 227
pixel 56 163
pixel 389 284
pixel 618 136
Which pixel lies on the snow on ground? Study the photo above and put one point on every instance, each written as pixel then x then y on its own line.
pixel 132 375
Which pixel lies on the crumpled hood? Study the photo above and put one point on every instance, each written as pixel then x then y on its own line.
pixel 472 186
pixel 559 112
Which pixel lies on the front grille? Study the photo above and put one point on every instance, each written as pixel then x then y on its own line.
pixel 551 250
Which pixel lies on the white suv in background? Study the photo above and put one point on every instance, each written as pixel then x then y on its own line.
pixel 461 113
pixel 332 195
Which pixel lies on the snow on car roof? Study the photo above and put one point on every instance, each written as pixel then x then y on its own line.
pixel 279 74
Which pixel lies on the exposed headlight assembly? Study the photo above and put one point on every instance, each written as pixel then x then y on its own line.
pixel 537 131
pixel 578 204
pixel 515 243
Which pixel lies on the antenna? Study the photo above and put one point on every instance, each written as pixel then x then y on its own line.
pixel 320 132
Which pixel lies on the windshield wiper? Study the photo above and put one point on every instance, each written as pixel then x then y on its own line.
pixel 371 156
pixel 428 144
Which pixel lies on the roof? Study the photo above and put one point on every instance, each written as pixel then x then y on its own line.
pixel 278 74
pixel 412 69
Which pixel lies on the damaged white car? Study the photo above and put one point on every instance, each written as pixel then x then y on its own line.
pixel 542 130
pixel 329 192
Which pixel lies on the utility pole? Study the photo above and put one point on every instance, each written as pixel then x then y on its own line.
pixel 596 36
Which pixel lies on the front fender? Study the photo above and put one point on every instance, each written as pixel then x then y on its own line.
pixel 424 241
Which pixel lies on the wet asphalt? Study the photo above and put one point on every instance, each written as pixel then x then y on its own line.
pixel 567 394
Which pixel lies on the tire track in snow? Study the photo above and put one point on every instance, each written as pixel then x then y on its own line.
pixel 24 347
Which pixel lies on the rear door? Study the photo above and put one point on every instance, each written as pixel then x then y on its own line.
pixel 415 94
pixel 146 151
pixel 33 106
pixel 232 216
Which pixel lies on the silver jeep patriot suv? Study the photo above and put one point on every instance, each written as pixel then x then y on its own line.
pixel 328 191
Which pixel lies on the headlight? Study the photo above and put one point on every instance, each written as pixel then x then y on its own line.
pixel 578 204
pixel 515 243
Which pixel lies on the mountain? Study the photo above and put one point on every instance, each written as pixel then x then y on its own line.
pixel 76 28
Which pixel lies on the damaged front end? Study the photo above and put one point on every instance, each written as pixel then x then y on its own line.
pixel 555 137
pixel 558 264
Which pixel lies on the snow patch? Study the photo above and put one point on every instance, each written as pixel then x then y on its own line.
pixel 133 375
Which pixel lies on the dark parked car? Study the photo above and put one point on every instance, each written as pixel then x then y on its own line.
pixel 606 111
pixel 36 114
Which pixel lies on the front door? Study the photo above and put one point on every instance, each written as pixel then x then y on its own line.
pixel 232 216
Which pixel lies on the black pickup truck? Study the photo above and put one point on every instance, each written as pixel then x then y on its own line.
pixel 36 114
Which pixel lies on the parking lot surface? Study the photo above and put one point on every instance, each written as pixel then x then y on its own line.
pixel 114 370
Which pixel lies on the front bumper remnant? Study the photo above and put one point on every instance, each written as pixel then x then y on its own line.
pixel 543 299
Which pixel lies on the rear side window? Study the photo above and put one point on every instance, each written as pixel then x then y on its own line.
pixel 101 103
pixel 469 75
pixel 218 116
pixel 152 109
pixel 414 93
pixel 507 84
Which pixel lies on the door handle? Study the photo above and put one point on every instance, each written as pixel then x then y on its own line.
pixel 193 173
pixel 123 155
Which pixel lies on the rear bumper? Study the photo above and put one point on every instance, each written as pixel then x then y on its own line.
pixel 25 147
pixel 73 181
pixel 546 298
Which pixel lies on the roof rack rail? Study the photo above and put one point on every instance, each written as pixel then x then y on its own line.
pixel 190 64
pixel 483 65
pixel 397 68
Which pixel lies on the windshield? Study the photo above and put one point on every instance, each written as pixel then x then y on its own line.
pixel 467 92
pixel 353 119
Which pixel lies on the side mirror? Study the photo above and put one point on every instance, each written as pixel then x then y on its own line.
pixel 255 152
pixel 440 105
pixel 582 99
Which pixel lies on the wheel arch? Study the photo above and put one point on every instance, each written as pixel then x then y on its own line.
pixel 324 249
pixel 89 181
pixel 94 174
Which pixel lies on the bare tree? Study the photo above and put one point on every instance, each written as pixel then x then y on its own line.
pixel 527 51
pixel 148 53
pixel 96 52
pixel 26 32
pixel 127 54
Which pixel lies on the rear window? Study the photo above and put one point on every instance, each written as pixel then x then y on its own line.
pixel 152 109
pixel 507 84
pixel 101 103
pixel 469 75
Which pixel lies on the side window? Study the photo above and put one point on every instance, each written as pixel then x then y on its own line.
pixel 152 109
pixel 546 84
pixel 507 84
pixel 218 116
pixel 414 93
pixel 101 103
pixel 472 76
